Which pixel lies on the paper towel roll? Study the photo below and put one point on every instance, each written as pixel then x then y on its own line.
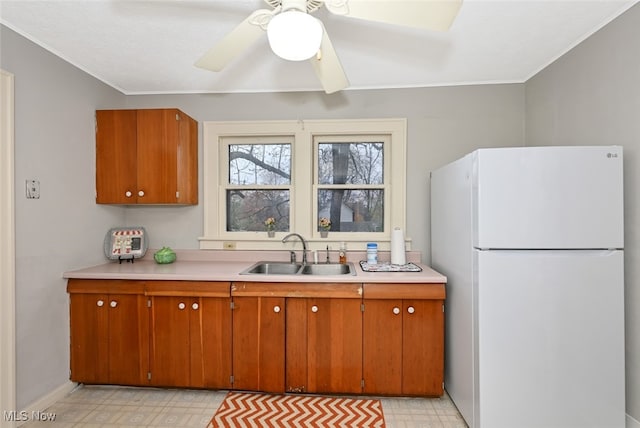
pixel 397 247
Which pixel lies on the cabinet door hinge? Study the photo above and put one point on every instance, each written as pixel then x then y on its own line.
pixel 361 307
pixel 232 305
pixel 231 379
pixel 443 307
pixel 148 375
pixel 148 303
pixel 177 116
pixel 177 195
pixel 362 383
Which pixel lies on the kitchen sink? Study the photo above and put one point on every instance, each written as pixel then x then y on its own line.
pixel 283 268
pixel 328 269
pixel 273 268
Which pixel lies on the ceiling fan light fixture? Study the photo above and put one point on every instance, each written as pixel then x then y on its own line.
pixel 294 35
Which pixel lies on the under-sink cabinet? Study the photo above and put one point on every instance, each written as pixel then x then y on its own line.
pixel 343 338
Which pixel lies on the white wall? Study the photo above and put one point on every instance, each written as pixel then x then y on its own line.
pixel 64 229
pixel 591 96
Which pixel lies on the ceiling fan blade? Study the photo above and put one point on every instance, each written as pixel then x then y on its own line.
pixel 234 43
pixel 437 15
pixel 327 66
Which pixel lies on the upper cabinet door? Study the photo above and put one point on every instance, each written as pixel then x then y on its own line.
pixel 146 157
pixel 116 157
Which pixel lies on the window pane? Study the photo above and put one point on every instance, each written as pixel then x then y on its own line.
pixel 247 210
pixel 350 163
pixel 352 210
pixel 260 164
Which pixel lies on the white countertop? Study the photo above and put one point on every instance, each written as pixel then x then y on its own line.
pixel 215 265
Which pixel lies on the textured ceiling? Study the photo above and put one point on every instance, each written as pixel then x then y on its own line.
pixel 149 47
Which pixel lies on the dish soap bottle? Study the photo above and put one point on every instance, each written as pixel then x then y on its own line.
pixel 343 253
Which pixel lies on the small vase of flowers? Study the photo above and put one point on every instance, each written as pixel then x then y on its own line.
pixel 270 225
pixel 325 225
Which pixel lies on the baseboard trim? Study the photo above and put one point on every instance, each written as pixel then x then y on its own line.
pixel 632 422
pixel 48 400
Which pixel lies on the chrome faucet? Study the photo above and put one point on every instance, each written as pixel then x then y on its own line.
pixel 304 245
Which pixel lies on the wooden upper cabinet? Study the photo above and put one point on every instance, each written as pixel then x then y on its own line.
pixel 146 157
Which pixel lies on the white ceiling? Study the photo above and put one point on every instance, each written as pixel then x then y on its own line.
pixel 149 47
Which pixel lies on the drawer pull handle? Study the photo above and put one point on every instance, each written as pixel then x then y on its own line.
pixel 195 306
pixel 411 309
pixel 113 304
pixel 181 306
pixel 128 193
pixel 100 303
pixel 314 309
pixel 396 310
pixel 276 309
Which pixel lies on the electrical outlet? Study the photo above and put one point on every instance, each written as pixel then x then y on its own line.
pixel 33 189
pixel 229 245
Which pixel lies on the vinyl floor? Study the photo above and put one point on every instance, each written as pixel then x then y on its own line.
pixel 112 406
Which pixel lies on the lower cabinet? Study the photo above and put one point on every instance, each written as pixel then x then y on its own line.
pixel 324 345
pixel 403 340
pixel 259 343
pixel 291 337
pixel 190 334
pixel 109 332
pixel 342 338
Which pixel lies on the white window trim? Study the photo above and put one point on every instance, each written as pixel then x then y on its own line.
pixel 303 218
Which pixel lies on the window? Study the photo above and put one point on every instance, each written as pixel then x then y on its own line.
pixel 295 173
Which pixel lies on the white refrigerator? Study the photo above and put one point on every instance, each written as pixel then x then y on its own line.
pixel 531 242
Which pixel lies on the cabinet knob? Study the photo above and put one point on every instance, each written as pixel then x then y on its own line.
pixel 411 309
pixel 276 309
pixel 181 306
pixel 100 303
pixel 396 310
pixel 113 304
pixel 314 308
pixel 128 194
pixel 141 193
pixel 195 306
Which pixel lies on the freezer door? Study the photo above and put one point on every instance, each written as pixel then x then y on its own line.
pixel 550 339
pixel 548 198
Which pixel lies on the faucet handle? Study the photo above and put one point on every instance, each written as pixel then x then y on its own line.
pixel 292 255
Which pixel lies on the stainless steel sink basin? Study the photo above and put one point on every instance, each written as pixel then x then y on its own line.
pixel 328 269
pixel 273 268
pixel 284 268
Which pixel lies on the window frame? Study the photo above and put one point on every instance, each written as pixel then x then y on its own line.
pixel 303 187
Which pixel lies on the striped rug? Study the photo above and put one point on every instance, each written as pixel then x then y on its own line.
pixel 282 411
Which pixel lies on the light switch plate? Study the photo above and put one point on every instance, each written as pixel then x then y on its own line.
pixel 33 189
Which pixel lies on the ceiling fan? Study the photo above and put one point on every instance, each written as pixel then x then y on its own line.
pixel 296 35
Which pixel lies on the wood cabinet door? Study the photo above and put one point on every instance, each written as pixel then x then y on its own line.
pixel 116 157
pixel 423 347
pixel 382 347
pixel 170 358
pixel 89 338
pixel 259 343
pixel 128 339
pixel 157 156
pixel 109 339
pixel 210 334
pixel 334 345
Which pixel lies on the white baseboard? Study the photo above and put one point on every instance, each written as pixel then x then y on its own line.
pixel 48 400
pixel 632 423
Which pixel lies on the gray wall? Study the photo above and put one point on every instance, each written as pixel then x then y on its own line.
pixel 54 143
pixel 591 96
pixel 443 124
